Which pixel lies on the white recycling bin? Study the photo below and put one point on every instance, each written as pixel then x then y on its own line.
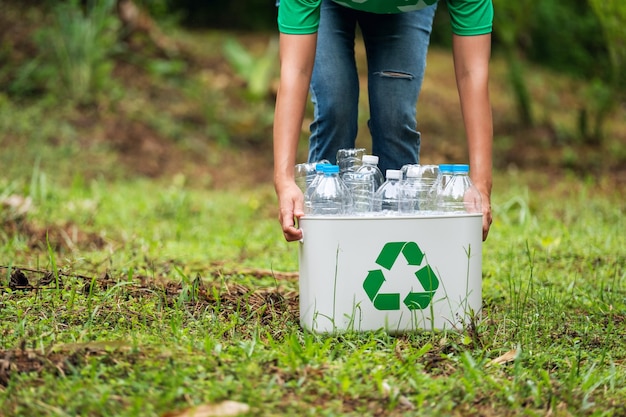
pixel 399 274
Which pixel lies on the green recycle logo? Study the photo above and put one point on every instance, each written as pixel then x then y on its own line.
pixel 376 278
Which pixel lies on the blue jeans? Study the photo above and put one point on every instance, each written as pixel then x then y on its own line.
pixel 396 46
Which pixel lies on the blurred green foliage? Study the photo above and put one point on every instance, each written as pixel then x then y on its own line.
pixel 238 15
pixel 258 72
pixel 74 49
pixel 607 91
pixel 511 23
pixel 77 41
pixel 565 36
pixel 579 38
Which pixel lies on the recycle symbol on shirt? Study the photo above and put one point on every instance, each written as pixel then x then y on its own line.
pixel 425 276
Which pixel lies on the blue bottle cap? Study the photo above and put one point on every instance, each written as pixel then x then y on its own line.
pixel 460 168
pixel 331 169
pixel 445 167
pixel 319 167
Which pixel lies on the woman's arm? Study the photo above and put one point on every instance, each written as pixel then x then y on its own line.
pixel 297 54
pixel 471 67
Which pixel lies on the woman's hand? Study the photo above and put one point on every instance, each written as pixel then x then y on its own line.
pixel 486 208
pixel 290 209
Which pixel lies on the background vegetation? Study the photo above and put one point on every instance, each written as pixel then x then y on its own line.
pixel 142 270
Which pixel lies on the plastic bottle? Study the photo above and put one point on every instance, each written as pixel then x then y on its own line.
pixel 362 187
pixel 349 159
pixel 413 192
pixel 445 173
pixel 370 167
pixel 387 197
pixel 305 173
pixel 407 167
pixel 459 195
pixel 363 183
pixel 330 197
pixel 319 174
pixel 429 174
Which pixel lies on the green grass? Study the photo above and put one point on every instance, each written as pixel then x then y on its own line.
pixel 169 326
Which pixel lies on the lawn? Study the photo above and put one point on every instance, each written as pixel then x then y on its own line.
pixel 144 299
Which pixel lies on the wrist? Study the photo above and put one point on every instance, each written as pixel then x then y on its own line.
pixel 484 187
pixel 283 181
pixel 482 180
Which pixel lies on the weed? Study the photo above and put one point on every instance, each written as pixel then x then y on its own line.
pixel 77 46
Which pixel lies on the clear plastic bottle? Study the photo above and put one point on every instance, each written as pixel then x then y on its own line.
pixel 349 159
pixel 406 168
pixel 445 173
pixel 305 173
pixel 363 183
pixel 330 197
pixel 362 187
pixel 387 197
pixel 413 192
pixel 429 175
pixel 459 195
pixel 370 167
pixel 319 174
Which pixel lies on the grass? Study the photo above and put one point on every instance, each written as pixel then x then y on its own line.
pixel 178 308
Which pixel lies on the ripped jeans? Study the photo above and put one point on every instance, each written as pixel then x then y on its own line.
pixel 396 46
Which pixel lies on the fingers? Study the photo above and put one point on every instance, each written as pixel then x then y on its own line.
pixel 292 234
pixel 487 219
pixel 290 210
pixel 287 221
pixel 485 229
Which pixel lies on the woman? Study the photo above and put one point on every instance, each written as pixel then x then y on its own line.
pixel 318 32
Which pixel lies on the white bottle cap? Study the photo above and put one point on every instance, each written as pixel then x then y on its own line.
pixel 370 159
pixel 413 171
pixel 394 174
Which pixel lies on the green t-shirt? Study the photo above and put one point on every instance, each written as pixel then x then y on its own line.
pixel 468 17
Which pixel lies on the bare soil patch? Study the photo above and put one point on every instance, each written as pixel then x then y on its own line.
pixel 61 238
